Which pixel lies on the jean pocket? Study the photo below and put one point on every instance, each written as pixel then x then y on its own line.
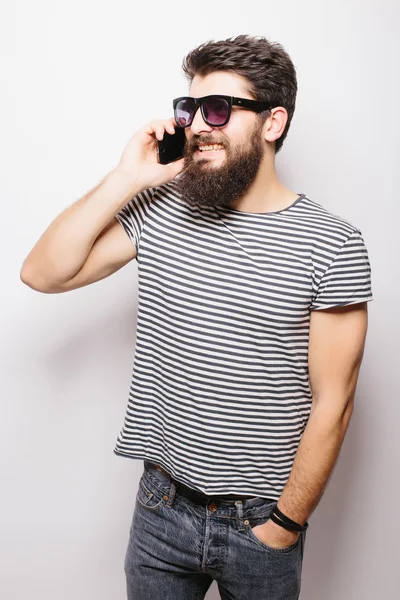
pixel 151 499
pixel 253 521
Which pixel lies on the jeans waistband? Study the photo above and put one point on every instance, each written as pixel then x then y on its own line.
pixel 195 495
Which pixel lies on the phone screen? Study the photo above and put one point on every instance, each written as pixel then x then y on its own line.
pixel 171 147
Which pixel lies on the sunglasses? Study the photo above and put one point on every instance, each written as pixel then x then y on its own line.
pixel 215 109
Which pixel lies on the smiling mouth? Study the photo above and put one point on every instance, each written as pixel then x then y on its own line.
pixel 208 151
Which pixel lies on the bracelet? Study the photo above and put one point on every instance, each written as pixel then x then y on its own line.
pixel 280 519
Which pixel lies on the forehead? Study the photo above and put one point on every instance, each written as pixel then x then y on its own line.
pixel 219 82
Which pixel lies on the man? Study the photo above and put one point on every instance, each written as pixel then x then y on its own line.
pixel 251 328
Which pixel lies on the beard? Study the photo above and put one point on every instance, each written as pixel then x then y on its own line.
pixel 203 184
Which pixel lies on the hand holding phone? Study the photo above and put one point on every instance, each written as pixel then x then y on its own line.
pixel 140 160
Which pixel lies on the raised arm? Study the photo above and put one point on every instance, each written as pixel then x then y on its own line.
pixel 85 242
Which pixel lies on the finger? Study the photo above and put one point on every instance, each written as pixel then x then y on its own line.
pixel 169 126
pixel 176 167
pixel 151 128
pixel 155 129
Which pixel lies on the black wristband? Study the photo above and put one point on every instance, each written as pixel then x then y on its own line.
pixel 280 519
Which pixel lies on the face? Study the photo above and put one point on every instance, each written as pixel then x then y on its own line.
pixel 216 177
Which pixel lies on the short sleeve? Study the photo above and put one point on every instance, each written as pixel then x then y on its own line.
pixel 133 215
pixel 347 280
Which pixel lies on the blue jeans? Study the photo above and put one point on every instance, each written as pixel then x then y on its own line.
pixel 181 540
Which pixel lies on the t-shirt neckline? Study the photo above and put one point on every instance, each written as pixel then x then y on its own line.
pixel 271 212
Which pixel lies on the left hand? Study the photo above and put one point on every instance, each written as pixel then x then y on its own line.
pixel 272 534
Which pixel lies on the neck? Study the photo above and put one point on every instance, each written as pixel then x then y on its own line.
pixel 266 193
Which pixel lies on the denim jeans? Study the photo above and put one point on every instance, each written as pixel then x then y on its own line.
pixel 178 546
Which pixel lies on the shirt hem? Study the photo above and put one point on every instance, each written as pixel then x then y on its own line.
pixel 256 494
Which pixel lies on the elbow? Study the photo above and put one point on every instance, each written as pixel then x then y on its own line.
pixel 33 281
pixel 26 276
pixel 335 411
pixel 347 413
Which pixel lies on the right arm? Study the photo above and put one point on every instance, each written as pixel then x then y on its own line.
pixel 86 243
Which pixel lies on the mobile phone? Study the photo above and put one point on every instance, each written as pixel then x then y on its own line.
pixel 171 147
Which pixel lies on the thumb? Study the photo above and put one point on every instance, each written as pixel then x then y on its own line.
pixel 176 167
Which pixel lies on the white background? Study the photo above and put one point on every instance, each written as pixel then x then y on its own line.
pixel 77 79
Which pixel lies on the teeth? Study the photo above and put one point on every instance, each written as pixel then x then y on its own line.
pixel 211 147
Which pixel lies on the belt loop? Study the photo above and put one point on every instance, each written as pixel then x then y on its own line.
pixel 172 492
pixel 239 508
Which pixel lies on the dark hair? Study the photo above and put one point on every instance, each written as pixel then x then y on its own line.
pixel 270 72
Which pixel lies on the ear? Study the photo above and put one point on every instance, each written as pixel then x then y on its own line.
pixel 275 124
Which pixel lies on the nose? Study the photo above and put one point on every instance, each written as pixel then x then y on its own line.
pixel 198 124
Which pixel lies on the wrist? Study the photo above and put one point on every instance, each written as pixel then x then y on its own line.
pixel 286 522
pixel 278 530
pixel 301 522
pixel 128 178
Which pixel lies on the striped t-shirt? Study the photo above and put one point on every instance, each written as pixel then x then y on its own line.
pixel 220 392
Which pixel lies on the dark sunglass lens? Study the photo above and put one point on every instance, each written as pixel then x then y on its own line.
pixel 184 112
pixel 215 110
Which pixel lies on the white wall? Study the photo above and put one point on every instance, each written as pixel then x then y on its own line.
pixel 77 79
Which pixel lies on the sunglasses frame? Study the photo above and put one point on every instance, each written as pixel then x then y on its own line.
pixel 253 105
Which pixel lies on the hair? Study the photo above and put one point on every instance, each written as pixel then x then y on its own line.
pixel 270 72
